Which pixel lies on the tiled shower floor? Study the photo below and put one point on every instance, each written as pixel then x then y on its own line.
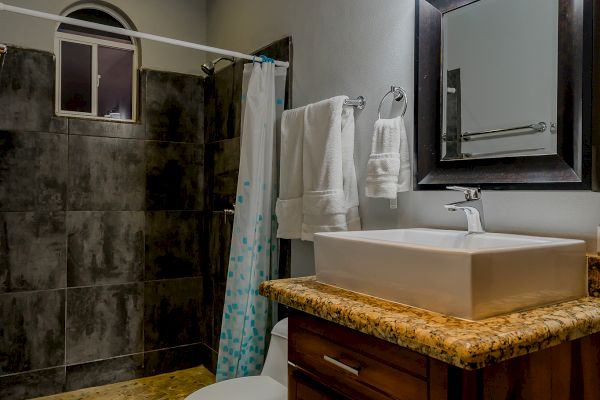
pixel 172 386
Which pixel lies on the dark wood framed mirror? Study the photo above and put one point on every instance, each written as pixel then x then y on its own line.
pixel 569 167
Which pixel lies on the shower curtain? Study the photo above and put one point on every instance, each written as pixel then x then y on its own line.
pixel 254 252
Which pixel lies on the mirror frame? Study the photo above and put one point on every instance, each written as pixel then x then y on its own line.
pixel 570 169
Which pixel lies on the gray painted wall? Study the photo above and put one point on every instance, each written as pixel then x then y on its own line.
pixel 181 19
pixel 359 47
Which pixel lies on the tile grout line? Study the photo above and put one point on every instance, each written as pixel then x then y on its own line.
pixel 67 191
pixel 144 296
pixel 65 365
pixel 67 133
pixel 66 288
pixel 38 211
pixel 33 370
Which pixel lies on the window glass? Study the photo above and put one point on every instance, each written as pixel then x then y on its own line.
pixel 115 89
pixel 99 17
pixel 96 75
pixel 76 77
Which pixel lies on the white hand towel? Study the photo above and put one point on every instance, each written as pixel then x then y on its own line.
pixel 289 204
pixel 388 168
pixel 330 201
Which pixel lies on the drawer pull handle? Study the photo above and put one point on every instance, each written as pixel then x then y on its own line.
pixel 341 365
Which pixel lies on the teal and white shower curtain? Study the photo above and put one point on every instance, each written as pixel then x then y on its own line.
pixel 254 252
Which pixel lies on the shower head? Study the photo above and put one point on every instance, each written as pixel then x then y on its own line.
pixel 209 66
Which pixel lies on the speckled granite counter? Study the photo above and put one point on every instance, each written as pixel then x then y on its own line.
pixel 594 275
pixel 465 344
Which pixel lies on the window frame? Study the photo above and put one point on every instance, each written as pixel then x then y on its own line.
pixel 60 37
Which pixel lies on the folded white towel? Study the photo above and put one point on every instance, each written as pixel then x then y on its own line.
pixel 289 204
pixel 328 195
pixel 388 168
pixel 324 202
pixel 349 170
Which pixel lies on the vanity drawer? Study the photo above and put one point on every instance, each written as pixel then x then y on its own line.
pixel 354 364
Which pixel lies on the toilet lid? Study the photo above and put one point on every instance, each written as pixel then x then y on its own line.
pixel 248 388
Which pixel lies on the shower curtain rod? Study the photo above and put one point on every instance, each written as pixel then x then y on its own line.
pixel 140 35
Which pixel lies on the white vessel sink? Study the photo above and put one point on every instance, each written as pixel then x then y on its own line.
pixel 466 276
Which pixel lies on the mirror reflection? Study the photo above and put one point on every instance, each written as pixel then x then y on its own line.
pixel 500 79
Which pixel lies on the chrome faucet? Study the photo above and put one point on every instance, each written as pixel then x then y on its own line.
pixel 472 206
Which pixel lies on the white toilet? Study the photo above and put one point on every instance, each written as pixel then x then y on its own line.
pixel 270 385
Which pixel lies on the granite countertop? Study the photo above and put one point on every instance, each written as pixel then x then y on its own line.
pixel 465 344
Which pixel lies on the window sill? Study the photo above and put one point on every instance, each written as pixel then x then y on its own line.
pixel 95 118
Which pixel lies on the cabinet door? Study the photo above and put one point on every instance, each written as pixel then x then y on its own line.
pixel 301 387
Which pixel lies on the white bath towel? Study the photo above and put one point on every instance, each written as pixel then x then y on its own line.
pixel 330 200
pixel 289 204
pixel 388 168
pixel 349 171
pixel 329 195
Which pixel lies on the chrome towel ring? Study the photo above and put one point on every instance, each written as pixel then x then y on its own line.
pixel 399 95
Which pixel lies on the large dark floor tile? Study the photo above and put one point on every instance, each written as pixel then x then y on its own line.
pixel 33 384
pixel 173 359
pixel 32 171
pixel 209 109
pixel 88 127
pixel 174 107
pixel 281 49
pixel 104 372
pixel 172 313
pixel 105 247
pixel 174 244
pixel 208 310
pixel 222 167
pixel 218 303
pixel 106 174
pixel 234 123
pixel 33 251
pixel 103 322
pixel 220 229
pixel 174 176
pixel 32 330
pixel 213 358
pixel 225 104
pixel 27 92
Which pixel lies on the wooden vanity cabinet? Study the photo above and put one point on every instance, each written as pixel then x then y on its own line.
pixel 328 361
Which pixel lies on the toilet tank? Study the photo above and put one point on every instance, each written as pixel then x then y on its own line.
pixel 277 355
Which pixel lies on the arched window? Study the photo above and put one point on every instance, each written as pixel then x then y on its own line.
pixel 96 72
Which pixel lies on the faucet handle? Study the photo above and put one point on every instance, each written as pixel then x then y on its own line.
pixel 471 193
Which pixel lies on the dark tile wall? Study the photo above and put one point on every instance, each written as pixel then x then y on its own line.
pixel 174 247
pixel 223 106
pixel 105 247
pixel 113 250
pixel 106 174
pixel 33 174
pixel 27 88
pixel 102 225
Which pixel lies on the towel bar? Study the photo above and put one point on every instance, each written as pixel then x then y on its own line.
pixel 538 127
pixel 360 102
